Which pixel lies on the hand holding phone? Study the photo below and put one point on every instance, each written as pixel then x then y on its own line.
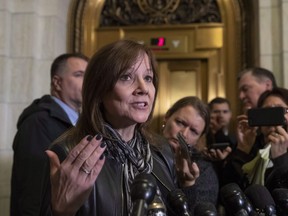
pixel 220 146
pixel 184 148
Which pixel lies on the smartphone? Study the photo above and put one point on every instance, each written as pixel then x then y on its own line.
pixel 272 116
pixel 220 146
pixel 190 153
pixel 184 149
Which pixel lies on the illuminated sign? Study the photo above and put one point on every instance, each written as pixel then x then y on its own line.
pixel 159 41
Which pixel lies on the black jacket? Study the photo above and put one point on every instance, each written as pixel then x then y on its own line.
pixel 275 177
pixel 38 126
pixel 106 197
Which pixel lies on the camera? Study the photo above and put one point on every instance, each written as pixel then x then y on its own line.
pixel 272 116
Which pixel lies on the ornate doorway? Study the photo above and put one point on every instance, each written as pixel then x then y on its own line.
pixel 200 45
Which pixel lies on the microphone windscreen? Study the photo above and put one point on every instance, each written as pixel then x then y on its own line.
pixel 230 190
pixel 205 209
pixel 259 196
pixel 178 201
pixel 280 196
pixel 234 199
pixel 143 188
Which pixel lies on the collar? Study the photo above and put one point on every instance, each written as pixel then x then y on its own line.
pixel 71 113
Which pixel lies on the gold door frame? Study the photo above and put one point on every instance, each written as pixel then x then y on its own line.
pixel 83 36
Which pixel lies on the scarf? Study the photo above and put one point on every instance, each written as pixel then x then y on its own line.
pixel 135 155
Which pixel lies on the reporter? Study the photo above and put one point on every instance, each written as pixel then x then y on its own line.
pixel 261 158
pixel 252 82
pixel 93 165
pixel 190 117
pixel 220 118
pixel 219 130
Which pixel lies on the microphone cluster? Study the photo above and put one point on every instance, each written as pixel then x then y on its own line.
pixel 144 193
pixel 255 200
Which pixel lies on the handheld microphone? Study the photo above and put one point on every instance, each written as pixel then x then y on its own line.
pixel 261 200
pixel 235 201
pixel 280 196
pixel 205 209
pixel 143 190
pixel 178 201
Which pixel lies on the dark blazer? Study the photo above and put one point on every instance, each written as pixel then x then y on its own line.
pixel 38 126
pixel 275 176
pixel 106 197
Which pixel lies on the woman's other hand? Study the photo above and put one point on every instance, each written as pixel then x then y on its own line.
pixel 187 171
pixel 217 154
pixel 279 142
pixel 73 179
pixel 246 135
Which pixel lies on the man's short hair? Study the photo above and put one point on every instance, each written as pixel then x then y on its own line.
pixel 218 100
pixel 260 73
pixel 59 63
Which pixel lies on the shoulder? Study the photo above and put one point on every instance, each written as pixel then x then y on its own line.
pixel 162 151
pixel 42 110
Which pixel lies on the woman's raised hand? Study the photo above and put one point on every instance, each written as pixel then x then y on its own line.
pixel 246 135
pixel 279 142
pixel 187 171
pixel 73 179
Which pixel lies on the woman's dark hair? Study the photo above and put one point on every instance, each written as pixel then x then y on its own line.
pixel 103 71
pixel 197 104
pixel 278 92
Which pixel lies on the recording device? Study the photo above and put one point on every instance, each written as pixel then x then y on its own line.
pixel 178 201
pixel 261 200
pixel 220 146
pixel 235 201
pixel 143 190
pixel 205 209
pixel 190 153
pixel 270 116
pixel 280 196
pixel 184 147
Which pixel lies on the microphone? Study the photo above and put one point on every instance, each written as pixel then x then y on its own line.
pixel 178 201
pixel 280 196
pixel 143 190
pixel 235 201
pixel 241 212
pixel 261 199
pixel 205 209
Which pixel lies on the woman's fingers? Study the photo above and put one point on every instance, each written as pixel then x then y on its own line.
pixel 54 162
pixel 84 150
pixel 77 172
pixel 75 152
pixel 95 162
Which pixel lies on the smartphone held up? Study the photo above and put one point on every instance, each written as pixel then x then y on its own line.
pixel 270 116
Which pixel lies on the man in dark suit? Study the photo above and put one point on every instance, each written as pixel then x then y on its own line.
pixel 39 125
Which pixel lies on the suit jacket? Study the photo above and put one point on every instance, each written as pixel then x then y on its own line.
pixel 38 126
